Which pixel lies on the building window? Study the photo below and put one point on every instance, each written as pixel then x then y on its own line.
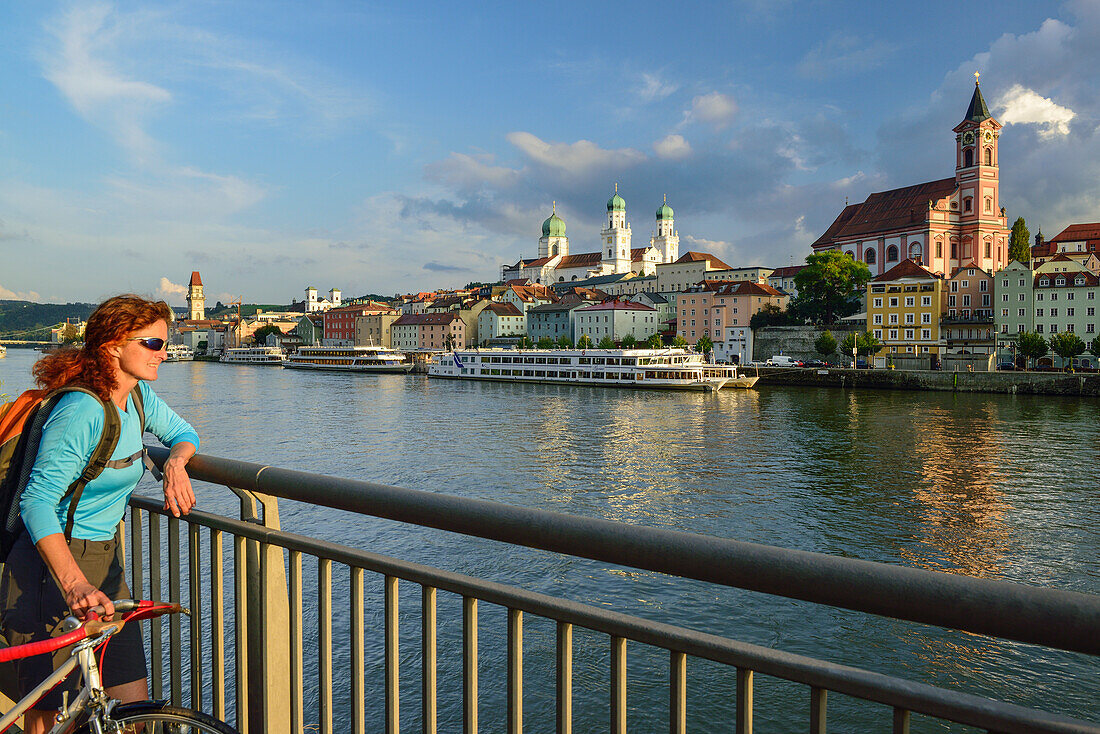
pixel 968 204
pixel 968 158
pixel 878 319
pixel 988 158
pixel 910 301
pixel 926 318
pixel 926 334
pixel 1039 312
pixel 878 303
pixel 926 300
pixel 869 256
pixel 1038 328
pixel 893 302
pixel 988 204
pixel 891 253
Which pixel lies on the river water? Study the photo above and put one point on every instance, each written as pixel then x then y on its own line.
pixel 994 486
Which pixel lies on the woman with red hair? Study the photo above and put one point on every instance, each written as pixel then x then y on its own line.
pixel 124 344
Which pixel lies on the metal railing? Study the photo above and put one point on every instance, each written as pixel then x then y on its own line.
pixel 261 686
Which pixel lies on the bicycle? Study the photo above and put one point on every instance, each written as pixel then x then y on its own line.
pixel 91 711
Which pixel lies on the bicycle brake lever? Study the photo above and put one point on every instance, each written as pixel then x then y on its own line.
pixel 69 624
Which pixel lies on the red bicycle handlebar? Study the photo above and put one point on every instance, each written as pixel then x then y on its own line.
pixel 93 625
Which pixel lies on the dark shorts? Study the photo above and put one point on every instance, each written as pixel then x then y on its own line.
pixel 33 606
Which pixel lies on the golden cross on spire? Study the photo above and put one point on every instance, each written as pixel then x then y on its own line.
pixel 666 198
pixel 554 208
pixel 976 75
pixel 616 187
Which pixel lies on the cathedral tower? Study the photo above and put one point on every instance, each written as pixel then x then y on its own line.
pixel 977 167
pixel 196 301
pixel 616 236
pixel 666 242
pixel 553 241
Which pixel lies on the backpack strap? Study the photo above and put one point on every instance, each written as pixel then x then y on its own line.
pixel 101 455
pixel 139 405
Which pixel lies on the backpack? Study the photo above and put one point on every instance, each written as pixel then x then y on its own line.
pixel 21 423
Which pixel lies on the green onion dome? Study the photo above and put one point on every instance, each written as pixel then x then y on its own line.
pixel 664 212
pixel 554 226
pixel 616 203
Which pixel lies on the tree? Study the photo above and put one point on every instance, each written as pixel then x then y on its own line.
pixel 1019 243
pixel 655 341
pixel 1066 345
pixel 704 345
pixel 585 342
pixel 772 315
pixel 628 342
pixel 606 343
pixel 261 334
pixel 525 342
pixel 564 342
pixel 1032 346
pixel 825 345
pixel 1094 347
pixel 679 342
pixel 864 344
pixel 829 287
pixel 546 342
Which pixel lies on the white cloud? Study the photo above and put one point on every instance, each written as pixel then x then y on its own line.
pixel 10 295
pixel 715 109
pixel 672 147
pixel 579 158
pixel 174 293
pixel 1020 105
pixel 653 88
pixel 468 172
pixel 843 53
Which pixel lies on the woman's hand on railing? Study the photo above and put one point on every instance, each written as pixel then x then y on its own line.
pixel 179 497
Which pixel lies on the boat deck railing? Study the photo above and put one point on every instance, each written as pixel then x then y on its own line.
pixel 246 651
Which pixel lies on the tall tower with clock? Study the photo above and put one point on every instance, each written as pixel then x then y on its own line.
pixel 977 178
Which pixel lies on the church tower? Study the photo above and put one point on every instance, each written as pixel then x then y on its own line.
pixel 616 236
pixel 982 224
pixel 666 242
pixel 553 241
pixel 196 301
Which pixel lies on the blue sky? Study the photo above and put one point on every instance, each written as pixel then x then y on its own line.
pixel 408 146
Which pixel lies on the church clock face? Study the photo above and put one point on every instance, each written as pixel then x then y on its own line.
pixel 988 136
pixel 968 138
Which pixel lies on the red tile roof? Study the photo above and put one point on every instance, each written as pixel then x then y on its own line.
pixel 427 318
pixel 503 309
pixel 580 260
pixel 787 272
pixel 886 211
pixel 1090 279
pixel 748 288
pixel 1078 233
pixel 618 306
pixel 195 279
pixel 906 269
pixel 712 262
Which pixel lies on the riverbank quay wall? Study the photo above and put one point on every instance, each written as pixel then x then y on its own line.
pixel 797 341
pixel 1012 383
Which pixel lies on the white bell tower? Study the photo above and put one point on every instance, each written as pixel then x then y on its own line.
pixel 666 242
pixel 616 236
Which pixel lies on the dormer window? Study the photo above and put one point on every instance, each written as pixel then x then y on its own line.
pixel 1079 281
pixel 1060 281
pixel 1044 282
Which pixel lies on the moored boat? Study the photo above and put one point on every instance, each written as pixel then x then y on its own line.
pixel 647 369
pixel 349 359
pixel 3 351
pixel 254 355
pixel 179 353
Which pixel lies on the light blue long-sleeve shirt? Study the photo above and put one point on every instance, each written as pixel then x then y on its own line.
pixel 69 437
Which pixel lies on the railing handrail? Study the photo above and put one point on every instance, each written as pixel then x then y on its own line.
pixel 1055 618
pixel 958 706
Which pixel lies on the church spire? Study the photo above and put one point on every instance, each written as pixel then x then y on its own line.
pixel 977 111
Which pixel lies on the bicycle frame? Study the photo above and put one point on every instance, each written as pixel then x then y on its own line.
pixel 91 696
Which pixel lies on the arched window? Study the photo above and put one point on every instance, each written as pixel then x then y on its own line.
pixel 850 254
pixel 916 252
pixel 891 254
pixel 869 256
pixel 988 204
pixel 561 278
pixel 573 278
pixel 968 204
pixel 988 248
pixel 989 156
pixel 968 158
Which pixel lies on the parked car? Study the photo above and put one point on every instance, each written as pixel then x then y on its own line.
pixel 782 360
pixel 757 363
pixel 1006 366
pixel 815 363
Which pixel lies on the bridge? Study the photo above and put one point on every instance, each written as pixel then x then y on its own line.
pixel 246 648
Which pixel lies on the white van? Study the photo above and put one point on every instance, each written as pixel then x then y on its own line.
pixel 782 360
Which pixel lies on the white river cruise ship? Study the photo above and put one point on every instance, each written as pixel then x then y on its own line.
pixel 649 369
pixel 179 353
pixel 349 359
pixel 254 355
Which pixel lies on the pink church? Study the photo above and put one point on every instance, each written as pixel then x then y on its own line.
pixel 943 225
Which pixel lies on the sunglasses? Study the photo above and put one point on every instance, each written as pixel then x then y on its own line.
pixel 152 343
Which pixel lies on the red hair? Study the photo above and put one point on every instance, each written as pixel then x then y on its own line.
pixel 91 366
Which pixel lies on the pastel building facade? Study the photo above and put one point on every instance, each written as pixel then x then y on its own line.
pixel 968 325
pixel 615 319
pixel 904 308
pixel 500 319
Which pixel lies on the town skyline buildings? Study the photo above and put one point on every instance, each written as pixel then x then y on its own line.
pixel 398 149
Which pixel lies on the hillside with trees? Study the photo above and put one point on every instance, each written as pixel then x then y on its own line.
pixel 32 321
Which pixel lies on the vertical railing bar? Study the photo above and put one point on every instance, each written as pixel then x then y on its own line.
pixel 744 701
pixel 817 710
pixel 565 678
pixel 297 713
pixel 618 685
pixel 677 692
pixel 137 555
pixel 428 639
pixel 175 636
pixel 901 721
pixel 156 643
pixel 393 660
pixel 240 619
pixel 217 625
pixel 324 644
pixel 266 671
pixel 358 693
pixel 194 578
pixel 515 671
pixel 469 665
